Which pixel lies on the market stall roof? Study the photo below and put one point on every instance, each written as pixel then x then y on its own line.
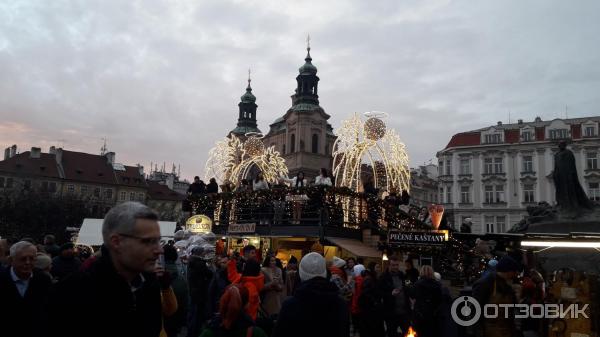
pixel 90 233
pixel 355 247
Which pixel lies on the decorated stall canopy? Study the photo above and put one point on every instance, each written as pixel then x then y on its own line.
pixel 90 233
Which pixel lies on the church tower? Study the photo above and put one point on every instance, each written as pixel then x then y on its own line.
pixel 247 113
pixel 303 136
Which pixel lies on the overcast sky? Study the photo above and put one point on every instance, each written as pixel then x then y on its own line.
pixel 161 79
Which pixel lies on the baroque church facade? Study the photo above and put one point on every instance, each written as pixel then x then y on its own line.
pixel 303 135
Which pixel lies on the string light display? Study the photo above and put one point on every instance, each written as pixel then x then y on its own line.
pixel 374 129
pixel 231 160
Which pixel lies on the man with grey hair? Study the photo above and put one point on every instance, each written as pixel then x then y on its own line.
pixel 119 294
pixel 23 293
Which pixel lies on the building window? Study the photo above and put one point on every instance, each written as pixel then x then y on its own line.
pixel 315 143
pixel 141 196
pixel 71 188
pixel 488 166
pixel 9 182
pixel 283 149
pixel 499 193
pixel 594 191
pixel 449 194
pixel 500 224
pixel 498 165
pixel 527 164
pixel 528 193
pixel 27 184
pixel 1 181
pixel 465 166
pixel 131 196
pixel 590 131
pixel 97 192
pixel 527 136
pixel 441 167
pixel 108 193
pixel 558 134
pixel 52 187
pixel 441 194
pixel 493 139
pixel 44 186
pixel 489 224
pixel 83 189
pixel 592 160
pixel 448 167
pixel 489 194
pixel 465 194
pixel 123 196
pixel 292 143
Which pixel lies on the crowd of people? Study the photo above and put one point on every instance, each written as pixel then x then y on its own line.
pixel 136 285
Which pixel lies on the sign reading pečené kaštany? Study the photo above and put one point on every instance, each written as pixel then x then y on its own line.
pixel 242 228
pixel 417 238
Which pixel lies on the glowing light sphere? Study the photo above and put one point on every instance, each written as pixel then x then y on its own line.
pixel 374 129
pixel 254 146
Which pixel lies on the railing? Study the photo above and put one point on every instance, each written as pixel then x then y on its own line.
pixel 317 205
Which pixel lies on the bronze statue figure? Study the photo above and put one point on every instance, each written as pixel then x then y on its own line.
pixel 570 196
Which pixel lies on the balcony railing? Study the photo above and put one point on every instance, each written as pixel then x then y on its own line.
pixel 311 206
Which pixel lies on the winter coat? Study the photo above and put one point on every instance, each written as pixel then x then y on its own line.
pixel 427 293
pixel 216 288
pixel 386 286
pixel 315 310
pixel 179 285
pixel 371 310
pixel 358 283
pixel 254 284
pixel 105 304
pixel 239 329
pixel 338 277
pixel 63 267
pixel 23 316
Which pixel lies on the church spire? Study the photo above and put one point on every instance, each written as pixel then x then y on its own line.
pixel 247 112
pixel 306 91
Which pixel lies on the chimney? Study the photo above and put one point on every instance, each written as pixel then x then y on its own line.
pixel 52 150
pixel 520 121
pixel 499 123
pixel 13 150
pixel 58 155
pixel 35 152
pixel 7 153
pixel 141 169
pixel 110 157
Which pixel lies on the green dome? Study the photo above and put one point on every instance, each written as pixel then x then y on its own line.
pixel 248 97
pixel 308 68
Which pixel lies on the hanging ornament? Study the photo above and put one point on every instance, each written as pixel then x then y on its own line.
pixel 254 147
pixel 374 129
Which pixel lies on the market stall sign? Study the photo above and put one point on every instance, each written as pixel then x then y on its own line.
pixel 399 238
pixel 199 224
pixel 242 228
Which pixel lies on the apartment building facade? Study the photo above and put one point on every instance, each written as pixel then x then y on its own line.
pixel 489 176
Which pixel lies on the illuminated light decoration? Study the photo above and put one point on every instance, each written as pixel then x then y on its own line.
pixel 371 145
pixel 199 224
pixel 231 160
pixel 562 244
pixel 374 129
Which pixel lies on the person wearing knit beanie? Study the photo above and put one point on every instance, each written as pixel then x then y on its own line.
pixel 312 265
pixel 358 269
pixel 337 262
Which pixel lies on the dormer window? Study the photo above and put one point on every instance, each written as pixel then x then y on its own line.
pixel 527 134
pixel 559 134
pixel 495 138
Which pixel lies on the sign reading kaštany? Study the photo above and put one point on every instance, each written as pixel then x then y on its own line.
pixel 413 238
pixel 243 228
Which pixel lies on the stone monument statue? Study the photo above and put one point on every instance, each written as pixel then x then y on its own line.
pixel 570 196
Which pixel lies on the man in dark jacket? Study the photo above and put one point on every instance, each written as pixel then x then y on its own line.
pixel 496 288
pixel 119 294
pixel 50 245
pixel 199 276
pixel 217 286
pixel 197 187
pixel 427 296
pixel 315 309
pixel 23 294
pixel 395 299
pixel 65 263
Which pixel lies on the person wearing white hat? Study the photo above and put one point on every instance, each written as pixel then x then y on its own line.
pixel 315 303
pixel 340 279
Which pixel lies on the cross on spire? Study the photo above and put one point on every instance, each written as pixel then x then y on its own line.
pixel 249 78
pixel 308 42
